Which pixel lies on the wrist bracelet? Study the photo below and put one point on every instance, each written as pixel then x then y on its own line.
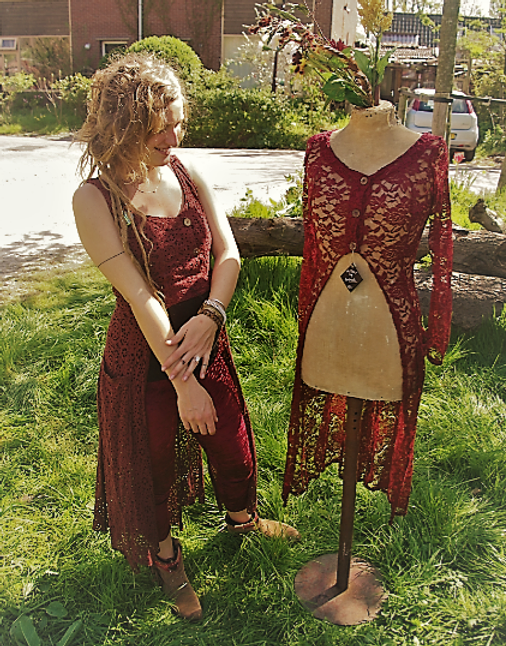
pixel 213 314
pixel 217 306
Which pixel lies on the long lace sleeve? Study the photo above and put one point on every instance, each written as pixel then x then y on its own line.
pixel 441 250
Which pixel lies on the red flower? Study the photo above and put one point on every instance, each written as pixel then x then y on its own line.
pixel 339 45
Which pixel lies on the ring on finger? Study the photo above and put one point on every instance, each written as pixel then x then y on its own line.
pixel 196 358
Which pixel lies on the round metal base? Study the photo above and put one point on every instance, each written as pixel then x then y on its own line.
pixel 315 585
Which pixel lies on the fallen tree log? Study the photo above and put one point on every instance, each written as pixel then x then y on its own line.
pixel 475 298
pixel 474 252
pixel 268 236
pixel 479 263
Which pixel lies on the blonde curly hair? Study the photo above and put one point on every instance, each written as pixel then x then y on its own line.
pixel 128 104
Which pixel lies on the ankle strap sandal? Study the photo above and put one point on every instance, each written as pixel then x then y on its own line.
pixel 269 528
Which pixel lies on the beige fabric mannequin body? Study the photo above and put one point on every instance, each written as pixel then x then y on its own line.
pixel 351 345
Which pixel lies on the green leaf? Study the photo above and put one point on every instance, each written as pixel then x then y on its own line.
pixel 364 64
pixel 282 14
pixel 334 89
pixel 70 633
pixel 302 8
pixel 23 632
pixel 16 633
pixel 355 99
pixel 382 64
pixel 56 609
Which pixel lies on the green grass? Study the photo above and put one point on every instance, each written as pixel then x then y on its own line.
pixel 40 121
pixel 443 565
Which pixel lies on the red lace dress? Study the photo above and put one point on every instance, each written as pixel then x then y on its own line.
pixel 384 215
pixel 125 500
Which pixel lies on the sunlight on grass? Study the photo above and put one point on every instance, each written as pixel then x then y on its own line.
pixel 443 564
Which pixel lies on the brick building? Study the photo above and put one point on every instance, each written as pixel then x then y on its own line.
pixel 94 27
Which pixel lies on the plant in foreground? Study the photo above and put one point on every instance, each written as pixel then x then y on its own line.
pixel 345 73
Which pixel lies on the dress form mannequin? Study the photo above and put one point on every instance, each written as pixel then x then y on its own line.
pixel 351 348
pixel 351 344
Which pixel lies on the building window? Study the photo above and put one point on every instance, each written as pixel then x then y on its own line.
pixel 7 43
pixel 108 46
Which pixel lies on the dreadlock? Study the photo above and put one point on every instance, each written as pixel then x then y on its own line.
pixel 128 104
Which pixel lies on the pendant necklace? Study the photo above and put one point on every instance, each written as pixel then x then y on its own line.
pixel 157 186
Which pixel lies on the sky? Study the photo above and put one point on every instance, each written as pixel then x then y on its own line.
pixel 469 7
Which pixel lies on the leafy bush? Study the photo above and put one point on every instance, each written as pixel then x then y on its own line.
pixel 74 93
pixel 177 53
pixel 289 206
pixel 10 88
pixel 250 118
pixel 239 118
pixel 18 82
pixel 493 142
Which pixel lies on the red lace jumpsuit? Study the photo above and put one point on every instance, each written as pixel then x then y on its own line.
pixel 149 466
pixel 384 215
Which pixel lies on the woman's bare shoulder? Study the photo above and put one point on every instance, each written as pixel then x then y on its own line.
pixel 88 198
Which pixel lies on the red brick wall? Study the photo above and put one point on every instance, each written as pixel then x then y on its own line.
pixel 196 22
pixel 323 13
pixel 239 13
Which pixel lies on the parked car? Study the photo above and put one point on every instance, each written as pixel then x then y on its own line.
pixel 465 131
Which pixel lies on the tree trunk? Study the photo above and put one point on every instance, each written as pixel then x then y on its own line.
pixel 474 252
pixel 274 83
pixel 502 177
pixel 446 64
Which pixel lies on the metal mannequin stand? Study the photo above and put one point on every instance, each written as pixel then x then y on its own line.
pixel 335 587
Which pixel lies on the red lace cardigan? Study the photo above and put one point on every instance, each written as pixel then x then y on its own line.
pixel 384 215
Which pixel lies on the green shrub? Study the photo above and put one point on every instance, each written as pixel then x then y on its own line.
pixel 244 118
pixel 493 142
pixel 11 88
pixel 177 53
pixel 74 93
pixel 18 82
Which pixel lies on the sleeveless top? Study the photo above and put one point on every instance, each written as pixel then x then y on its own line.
pixel 179 251
pixel 382 217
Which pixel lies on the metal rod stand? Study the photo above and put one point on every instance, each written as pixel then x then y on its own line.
pixel 353 594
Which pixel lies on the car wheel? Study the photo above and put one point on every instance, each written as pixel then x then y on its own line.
pixel 469 154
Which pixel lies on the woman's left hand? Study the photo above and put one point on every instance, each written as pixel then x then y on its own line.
pixel 195 340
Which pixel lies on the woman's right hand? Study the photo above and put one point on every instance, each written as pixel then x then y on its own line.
pixel 196 407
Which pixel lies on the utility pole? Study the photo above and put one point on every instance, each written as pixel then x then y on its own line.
pixel 139 19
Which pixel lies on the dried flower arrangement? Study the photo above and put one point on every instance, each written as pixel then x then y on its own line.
pixel 346 74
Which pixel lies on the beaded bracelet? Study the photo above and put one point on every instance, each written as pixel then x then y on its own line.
pixel 213 314
pixel 217 306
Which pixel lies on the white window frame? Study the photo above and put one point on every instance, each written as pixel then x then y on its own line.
pixel 112 41
pixel 9 48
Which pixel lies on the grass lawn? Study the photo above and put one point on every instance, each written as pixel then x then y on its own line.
pixel 60 583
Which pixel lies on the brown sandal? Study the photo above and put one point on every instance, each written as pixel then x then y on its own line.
pixel 172 577
pixel 269 528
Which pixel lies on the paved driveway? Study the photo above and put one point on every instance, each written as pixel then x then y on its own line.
pixel 38 176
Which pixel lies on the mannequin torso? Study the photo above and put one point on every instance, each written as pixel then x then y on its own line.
pixel 351 345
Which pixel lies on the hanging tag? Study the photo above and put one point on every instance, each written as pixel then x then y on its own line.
pixel 351 277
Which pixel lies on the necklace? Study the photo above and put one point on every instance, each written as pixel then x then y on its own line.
pixel 157 186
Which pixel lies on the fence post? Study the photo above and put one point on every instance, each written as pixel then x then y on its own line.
pixel 403 102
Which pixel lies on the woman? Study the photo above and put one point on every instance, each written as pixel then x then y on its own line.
pixel 150 225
